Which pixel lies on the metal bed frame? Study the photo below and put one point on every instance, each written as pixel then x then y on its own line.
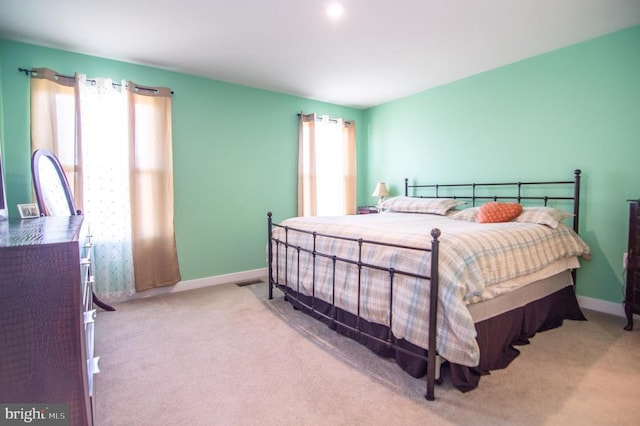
pixel 472 191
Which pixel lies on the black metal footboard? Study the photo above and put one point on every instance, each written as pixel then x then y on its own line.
pixel 278 247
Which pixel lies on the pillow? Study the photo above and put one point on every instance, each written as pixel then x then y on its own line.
pixel 543 215
pixel 469 215
pixel 420 205
pixel 494 212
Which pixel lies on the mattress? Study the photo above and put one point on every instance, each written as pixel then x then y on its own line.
pixel 523 290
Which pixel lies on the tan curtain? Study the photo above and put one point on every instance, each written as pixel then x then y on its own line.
pixel 155 256
pixel 349 166
pixel 54 98
pixel 307 205
pixel 326 166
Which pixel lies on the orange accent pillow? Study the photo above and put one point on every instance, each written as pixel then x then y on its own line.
pixel 494 212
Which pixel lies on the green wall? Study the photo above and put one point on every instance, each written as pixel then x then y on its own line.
pixel 541 118
pixel 235 147
pixel 235 153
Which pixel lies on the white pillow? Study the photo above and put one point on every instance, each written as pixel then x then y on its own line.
pixel 469 215
pixel 438 206
pixel 543 215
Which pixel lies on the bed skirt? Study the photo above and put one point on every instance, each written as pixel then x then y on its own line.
pixel 496 336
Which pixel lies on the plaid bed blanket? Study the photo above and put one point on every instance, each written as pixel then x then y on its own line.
pixel 472 257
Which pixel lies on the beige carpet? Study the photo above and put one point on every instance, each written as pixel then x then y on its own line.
pixel 226 355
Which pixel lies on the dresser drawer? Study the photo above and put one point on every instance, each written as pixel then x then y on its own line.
pixel 633 290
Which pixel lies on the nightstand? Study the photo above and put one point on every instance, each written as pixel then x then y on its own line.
pixel 367 210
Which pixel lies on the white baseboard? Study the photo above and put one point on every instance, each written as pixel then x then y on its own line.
pixel 601 306
pixel 236 277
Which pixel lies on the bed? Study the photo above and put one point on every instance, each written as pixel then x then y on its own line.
pixel 498 283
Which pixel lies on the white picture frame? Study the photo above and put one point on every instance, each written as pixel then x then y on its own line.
pixel 28 211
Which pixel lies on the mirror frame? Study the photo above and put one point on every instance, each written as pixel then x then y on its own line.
pixel 37 156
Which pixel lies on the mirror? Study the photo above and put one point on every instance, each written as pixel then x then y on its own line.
pixel 53 193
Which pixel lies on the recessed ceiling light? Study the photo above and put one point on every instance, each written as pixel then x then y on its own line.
pixel 335 10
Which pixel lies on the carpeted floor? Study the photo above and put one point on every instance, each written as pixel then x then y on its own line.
pixel 226 355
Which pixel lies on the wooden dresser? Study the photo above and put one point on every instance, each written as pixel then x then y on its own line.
pixel 46 315
pixel 632 294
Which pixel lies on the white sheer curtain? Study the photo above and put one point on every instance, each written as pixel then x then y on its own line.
pixel 105 127
pixel 329 152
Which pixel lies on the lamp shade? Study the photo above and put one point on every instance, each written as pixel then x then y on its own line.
pixel 381 190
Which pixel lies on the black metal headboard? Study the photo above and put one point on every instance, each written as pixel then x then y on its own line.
pixel 508 191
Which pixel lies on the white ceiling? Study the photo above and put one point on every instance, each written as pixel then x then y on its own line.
pixel 379 50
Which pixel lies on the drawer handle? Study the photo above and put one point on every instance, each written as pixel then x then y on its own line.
pixel 90 316
pixel 92 365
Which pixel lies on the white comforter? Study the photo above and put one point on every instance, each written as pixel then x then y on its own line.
pixel 473 257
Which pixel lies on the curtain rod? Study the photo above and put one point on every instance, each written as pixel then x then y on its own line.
pixel 28 72
pixel 335 120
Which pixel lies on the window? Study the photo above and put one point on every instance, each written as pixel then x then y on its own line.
pixel 114 142
pixel 326 166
